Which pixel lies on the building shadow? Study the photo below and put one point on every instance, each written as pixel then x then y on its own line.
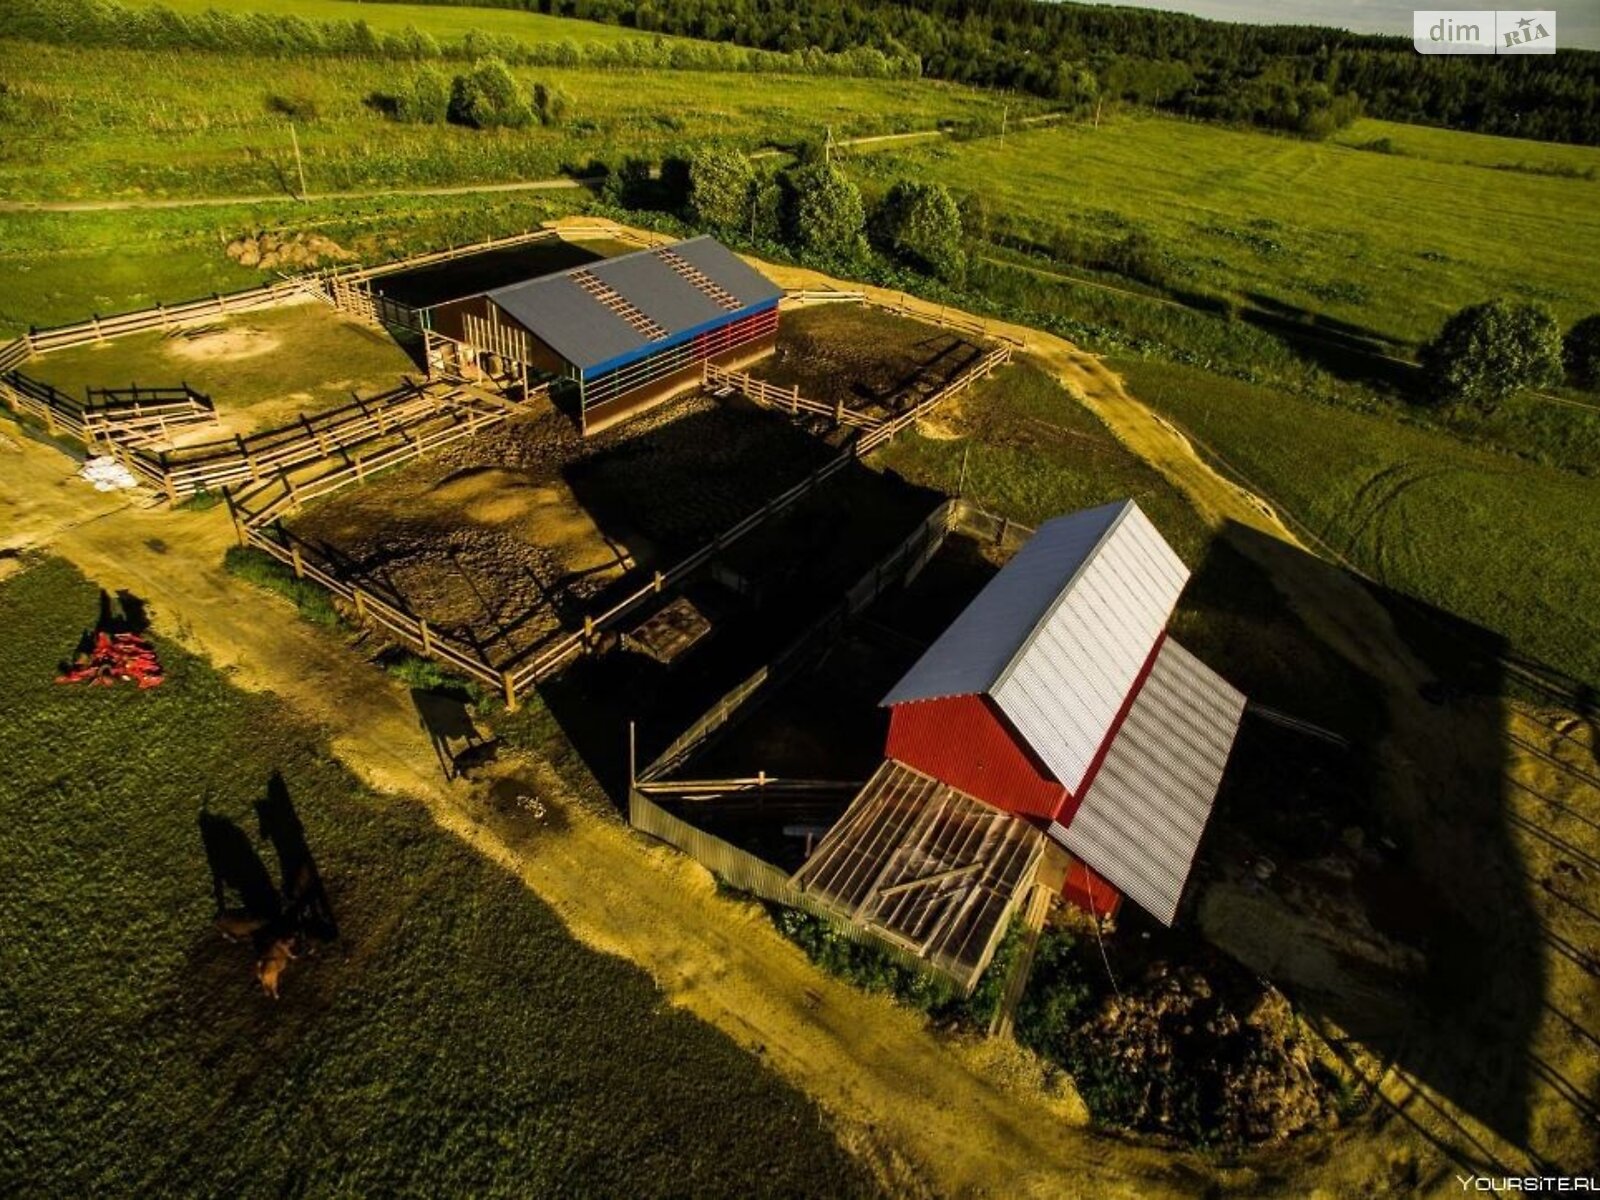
pixel 1380 885
pixel 305 900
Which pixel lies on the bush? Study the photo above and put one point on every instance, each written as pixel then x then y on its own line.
pixel 550 104
pixel 1137 256
pixel 487 97
pixel 630 185
pixel 920 224
pixel 864 966
pixel 297 106
pixel 1487 352
pixel 1580 352
pixel 825 211
pixel 425 100
pixel 721 183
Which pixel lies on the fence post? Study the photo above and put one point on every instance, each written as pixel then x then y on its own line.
pixel 510 686
pixel 794 401
pixel 427 637
pixel 360 601
pixel 297 562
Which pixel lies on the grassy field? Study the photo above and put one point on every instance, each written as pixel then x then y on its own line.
pixel 1508 544
pixel 455 1038
pixel 440 21
pixel 104 123
pixel 1388 243
pixel 60 267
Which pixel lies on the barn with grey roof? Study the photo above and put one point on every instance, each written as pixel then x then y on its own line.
pixel 624 333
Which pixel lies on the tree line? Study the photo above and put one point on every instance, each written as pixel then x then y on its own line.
pixel 1301 78
pixel 110 23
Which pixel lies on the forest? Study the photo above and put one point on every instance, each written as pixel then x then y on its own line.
pixel 1303 79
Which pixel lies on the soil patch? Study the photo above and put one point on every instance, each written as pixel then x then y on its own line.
pixel 212 342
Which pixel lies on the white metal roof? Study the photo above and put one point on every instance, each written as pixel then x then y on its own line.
pixel 1058 637
pixel 1140 824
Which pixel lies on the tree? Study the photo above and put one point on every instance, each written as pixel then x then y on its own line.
pixel 1581 352
pixel 1486 352
pixel 920 224
pixel 487 97
pixel 550 104
pixel 425 100
pixel 720 186
pixel 826 212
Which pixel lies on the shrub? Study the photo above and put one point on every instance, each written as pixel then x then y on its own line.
pixel 826 213
pixel 630 185
pixel 487 97
pixel 1137 256
pixel 425 100
pixel 297 106
pixel 920 224
pixel 1581 352
pixel 720 187
pixel 1487 352
pixel 864 966
pixel 550 104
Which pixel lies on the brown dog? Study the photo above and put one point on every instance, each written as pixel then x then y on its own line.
pixel 272 963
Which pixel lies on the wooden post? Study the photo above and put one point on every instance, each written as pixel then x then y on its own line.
pixel 510 686
pixel 427 637
pixel 360 601
pixel 297 562
pixel 588 633
pixel 660 581
pixel 838 413
pixel 633 756
pixel 794 401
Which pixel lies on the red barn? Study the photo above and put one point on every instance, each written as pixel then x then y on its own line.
pixel 1058 698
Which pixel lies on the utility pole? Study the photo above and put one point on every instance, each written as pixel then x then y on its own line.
pixel 827 147
pixel 1005 113
pixel 299 166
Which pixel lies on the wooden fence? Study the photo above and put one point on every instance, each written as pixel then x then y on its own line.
pixel 787 400
pixel 981 369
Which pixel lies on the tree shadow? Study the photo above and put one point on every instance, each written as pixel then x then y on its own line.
pixel 445 719
pixel 126 613
pixel 1382 886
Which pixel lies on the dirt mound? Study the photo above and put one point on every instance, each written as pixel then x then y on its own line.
pixel 1178 1057
pixel 546 514
pixel 220 341
pixel 266 251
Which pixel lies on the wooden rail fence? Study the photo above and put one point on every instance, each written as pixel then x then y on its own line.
pixel 787 400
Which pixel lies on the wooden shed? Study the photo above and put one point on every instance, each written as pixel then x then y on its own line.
pixel 624 333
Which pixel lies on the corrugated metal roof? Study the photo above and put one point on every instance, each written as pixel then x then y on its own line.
pixel 1059 636
pixel 1141 821
pixel 924 866
pixel 580 326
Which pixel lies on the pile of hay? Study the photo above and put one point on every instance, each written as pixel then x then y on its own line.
pixel 266 251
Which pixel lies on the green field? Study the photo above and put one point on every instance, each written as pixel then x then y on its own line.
pixel 61 267
pixel 440 21
pixel 114 123
pixel 454 1040
pixel 1386 243
pixel 1511 545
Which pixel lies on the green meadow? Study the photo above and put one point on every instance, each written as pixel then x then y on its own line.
pixel 104 123
pixel 439 21
pixel 454 1039
pixel 1384 243
pixel 1511 545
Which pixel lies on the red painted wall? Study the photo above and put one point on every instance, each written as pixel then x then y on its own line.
pixel 966 742
pixel 1090 892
